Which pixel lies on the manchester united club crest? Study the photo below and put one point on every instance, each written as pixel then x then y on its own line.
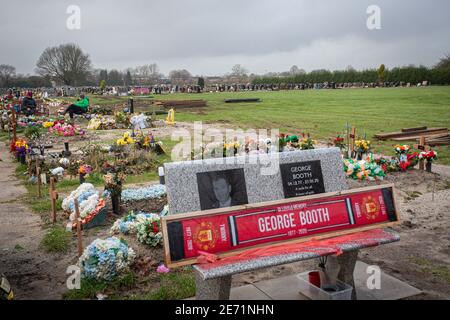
pixel 206 236
pixel 370 207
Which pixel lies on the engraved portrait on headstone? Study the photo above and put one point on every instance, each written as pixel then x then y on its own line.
pixel 221 189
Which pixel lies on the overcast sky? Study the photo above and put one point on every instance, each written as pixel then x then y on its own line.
pixel 208 37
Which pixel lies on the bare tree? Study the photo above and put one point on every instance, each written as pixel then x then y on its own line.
pixel 180 76
pixel 238 73
pixel 66 63
pixel 147 74
pixel 7 72
pixel 296 71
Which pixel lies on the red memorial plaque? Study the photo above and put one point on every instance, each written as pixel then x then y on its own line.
pixel 226 230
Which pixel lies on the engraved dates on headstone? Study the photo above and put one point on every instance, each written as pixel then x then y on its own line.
pixel 302 178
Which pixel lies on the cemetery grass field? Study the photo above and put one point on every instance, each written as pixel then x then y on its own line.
pixel 323 113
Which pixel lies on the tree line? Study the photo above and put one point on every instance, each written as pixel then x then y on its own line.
pixel 68 65
pixel 437 75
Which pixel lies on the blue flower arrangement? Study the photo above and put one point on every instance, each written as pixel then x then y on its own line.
pixel 106 259
pixel 145 193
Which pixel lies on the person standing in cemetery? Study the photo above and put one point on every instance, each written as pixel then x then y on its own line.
pixel 79 107
pixel 9 95
pixel 29 104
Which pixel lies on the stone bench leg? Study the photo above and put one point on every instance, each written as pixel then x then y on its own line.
pixel 212 289
pixel 346 263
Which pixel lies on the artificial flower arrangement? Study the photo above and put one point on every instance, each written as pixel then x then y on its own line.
pixel 122 119
pixel 66 130
pixel 113 184
pixel 306 143
pixel 363 170
pixel 87 197
pixel 128 224
pixel 99 122
pixel 21 148
pixel 362 146
pixel 149 232
pixel 73 166
pixel 85 169
pixel 251 146
pixel 90 216
pixel 406 160
pixel 293 142
pixel 402 149
pixel 210 150
pixel 114 181
pixel 428 155
pixel 289 142
pixel 143 141
pixel 106 259
pixel 48 124
pixel 144 193
pixel 231 148
pixel 147 227
pixel 338 142
pixel 125 140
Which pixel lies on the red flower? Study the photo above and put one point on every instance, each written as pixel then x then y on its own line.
pixel 412 156
pixel 155 227
pixel 404 165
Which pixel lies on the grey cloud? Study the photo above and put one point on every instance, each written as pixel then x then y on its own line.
pixel 209 36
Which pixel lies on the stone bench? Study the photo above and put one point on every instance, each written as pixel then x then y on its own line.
pixel 213 280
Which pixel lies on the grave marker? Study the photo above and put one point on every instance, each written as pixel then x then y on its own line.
pixel 352 142
pixel 302 178
pixel 228 231
pixel 347 130
pixel 422 146
pixel 223 182
pixel 38 176
pixel 79 236
pixel 131 105
pixel 53 198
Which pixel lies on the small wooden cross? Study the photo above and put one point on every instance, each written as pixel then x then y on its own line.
pixel 422 146
pixel 351 146
pixel 38 176
pixel 14 124
pixel 347 130
pixel 53 198
pixel 78 220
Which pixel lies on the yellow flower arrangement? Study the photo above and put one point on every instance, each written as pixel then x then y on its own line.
pixel 232 145
pixel 48 124
pixel 362 145
pixel 146 143
pixel 125 140
pixel 21 143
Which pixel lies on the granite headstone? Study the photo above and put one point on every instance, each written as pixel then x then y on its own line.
pixel 224 182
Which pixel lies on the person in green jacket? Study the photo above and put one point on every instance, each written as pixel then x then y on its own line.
pixel 79 107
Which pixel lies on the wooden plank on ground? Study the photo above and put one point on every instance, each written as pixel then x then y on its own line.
pixel 228 231
pixel 431 136
pixel 413 135
pixel 414 129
